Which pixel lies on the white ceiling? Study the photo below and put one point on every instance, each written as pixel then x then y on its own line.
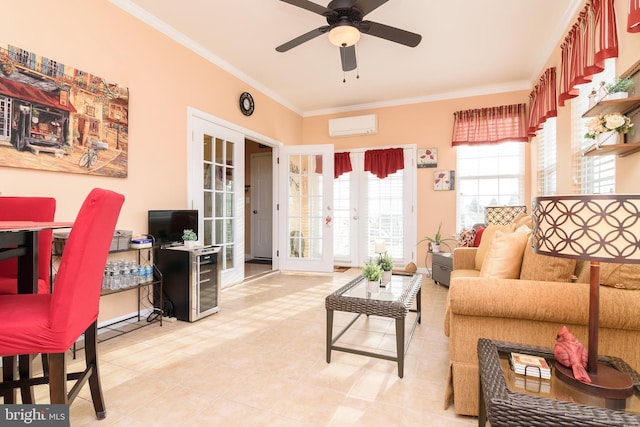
pixel 469 47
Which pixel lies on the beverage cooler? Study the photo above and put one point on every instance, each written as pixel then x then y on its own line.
pixel 191 281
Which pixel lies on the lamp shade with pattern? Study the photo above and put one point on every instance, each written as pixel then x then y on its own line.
pixel 594 228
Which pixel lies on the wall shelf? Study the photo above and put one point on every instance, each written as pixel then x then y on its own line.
pixel 622 150
pixel 613 106
pixel 623 106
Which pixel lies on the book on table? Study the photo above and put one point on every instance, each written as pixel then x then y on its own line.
pixel 534 366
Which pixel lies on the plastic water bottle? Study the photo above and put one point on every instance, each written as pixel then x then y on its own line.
pixel 105 277
pixel 115 279
pixel 126 275
pixel 142 274
pixel 133 273
pixel 149 273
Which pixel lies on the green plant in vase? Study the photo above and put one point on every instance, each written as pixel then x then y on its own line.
pixel 621 85
pixel 437 240
pixel 189 237
pixel 372 271
pixel 386 264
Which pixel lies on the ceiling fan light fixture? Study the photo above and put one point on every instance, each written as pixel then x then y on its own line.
pixel 344 35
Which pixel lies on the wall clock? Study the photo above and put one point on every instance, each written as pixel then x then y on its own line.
pixel 246 104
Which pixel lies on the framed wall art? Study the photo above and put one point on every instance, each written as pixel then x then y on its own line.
pixel 427 157
pixel 56 117
pixel 444 180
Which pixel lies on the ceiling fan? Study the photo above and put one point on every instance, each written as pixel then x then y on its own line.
pixel 345 24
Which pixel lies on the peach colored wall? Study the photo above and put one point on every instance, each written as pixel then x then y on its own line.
pixel 426 125
pixel 164 79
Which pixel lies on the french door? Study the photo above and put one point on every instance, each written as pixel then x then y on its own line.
pixel 306 208
pixel 215 189
pixel 370 210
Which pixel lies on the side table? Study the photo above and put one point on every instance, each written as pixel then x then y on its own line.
pixel 441 267
pixel 558 405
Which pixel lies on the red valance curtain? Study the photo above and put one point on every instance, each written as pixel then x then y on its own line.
pixel 591 40
pixel 383 163
pixel 341 164
pixel 490 125
pixel 542 101
pixel 633 21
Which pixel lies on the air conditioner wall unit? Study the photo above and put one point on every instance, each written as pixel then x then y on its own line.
pixel 352 126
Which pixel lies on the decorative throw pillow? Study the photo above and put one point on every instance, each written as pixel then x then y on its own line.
pixel 478 238
pixel 487 237
pixel 622 276
pixel 466 237
pixel 546 268
pixel 521 219
pixel 504 257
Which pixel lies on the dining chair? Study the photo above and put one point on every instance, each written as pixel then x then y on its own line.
pixel 25 209
pixel 49 324
pixel 28 209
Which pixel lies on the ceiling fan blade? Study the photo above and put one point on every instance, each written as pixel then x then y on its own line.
pixel 348 58
pixel 389 33
pixel 303 38
pixel 312 7
pixel 368 6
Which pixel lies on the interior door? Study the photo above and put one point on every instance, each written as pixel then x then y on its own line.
pixel 305 208
pixel 261 205
pixel 216 190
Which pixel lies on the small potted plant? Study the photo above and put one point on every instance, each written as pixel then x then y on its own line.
pixel 436 241
pixel 372 274
pixel 619 89
pixel 189 237
pixel 386 264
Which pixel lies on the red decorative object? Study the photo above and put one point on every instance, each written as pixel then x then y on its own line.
pixel 570 352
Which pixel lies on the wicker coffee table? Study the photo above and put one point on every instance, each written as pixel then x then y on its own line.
pixel 393 300
pixel 553 404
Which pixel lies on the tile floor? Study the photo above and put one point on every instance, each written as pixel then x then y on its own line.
pixel 260 361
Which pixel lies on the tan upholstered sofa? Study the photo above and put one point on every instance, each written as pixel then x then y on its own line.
pixel 531 309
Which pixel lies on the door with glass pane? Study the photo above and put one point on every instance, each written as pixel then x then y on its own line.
pixel 370 210
pixel 306 213
pixel 216 180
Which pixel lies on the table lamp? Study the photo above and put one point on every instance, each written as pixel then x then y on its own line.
pixel 379 247
pixel 594 228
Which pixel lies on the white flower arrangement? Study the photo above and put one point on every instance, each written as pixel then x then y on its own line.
pixel 610 122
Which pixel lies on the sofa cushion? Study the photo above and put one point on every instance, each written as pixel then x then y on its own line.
pixel 504 257
pixel 546 268
pixel 621 276
pixel 478 237
pixel 487 237
pixel 521 219
pixel 466 237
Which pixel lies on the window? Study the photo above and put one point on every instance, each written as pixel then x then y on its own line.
pixel 547 158
pixel 488 175
pixel 593 174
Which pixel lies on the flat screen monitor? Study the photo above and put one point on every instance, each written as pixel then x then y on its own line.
pixel 167 226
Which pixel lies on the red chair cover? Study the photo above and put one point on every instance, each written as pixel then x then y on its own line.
pixel 50 323
pixel 28 209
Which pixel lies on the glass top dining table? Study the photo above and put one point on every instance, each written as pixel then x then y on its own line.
pixel 19 239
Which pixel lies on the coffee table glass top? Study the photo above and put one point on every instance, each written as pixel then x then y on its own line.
pixel 391 291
